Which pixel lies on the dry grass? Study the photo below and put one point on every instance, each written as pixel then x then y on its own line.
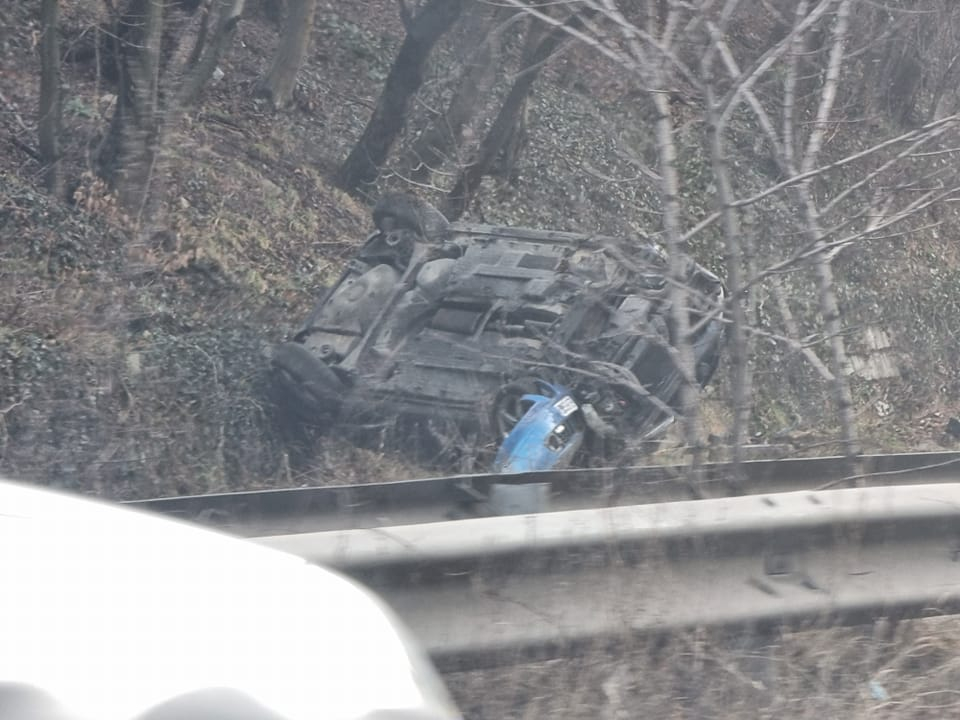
pixel 909 672
pixel 147 385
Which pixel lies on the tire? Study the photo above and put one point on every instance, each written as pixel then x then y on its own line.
pixel 398 211
pixel 305 385
pixel 509 406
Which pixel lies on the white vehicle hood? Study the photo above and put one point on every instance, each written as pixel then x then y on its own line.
pixel 111 613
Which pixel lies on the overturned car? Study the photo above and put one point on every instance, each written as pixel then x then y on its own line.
pixel 523 349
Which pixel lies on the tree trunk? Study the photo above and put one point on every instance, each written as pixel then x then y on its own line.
pixel 679 263
pixel 829 307
pixel 130 150
pixel 48 123
pixel 423 31
pixel 509 155
pixel 833 327
pixel 505 124
pixel 277 85
pixel 733 262
pixel 4 31
pixel 228 17
pixel 439 142
pixel 201 40
pixel 505 165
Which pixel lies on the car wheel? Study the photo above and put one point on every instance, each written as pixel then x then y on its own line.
pixel 398 211
pixel 509 405
pixel 306 384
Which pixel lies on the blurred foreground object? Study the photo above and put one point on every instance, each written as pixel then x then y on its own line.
pixel 112 614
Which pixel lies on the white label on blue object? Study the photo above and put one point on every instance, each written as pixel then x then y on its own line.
pixel 566 406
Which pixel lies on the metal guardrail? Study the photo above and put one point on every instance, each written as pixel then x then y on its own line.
pixel 620 551
pixel 493 591
pixel 467 496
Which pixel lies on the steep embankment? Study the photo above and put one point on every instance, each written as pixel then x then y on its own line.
pixel 134 368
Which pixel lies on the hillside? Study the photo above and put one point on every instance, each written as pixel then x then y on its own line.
pixel 132 362
pixel 132 366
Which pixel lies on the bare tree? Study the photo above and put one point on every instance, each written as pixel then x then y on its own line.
pixel 509 154
pixel 733 257
pixel 678 49
pixel 804 170
pixel 424 29
pixel 829 307
pixel 278 83
pixel 940 61
pixel 506 124
pixel 130 148
pixel 155 84
pixel 679 264
pixel 48 123
pixel 205 56
pixel 4 30
pixel 440 140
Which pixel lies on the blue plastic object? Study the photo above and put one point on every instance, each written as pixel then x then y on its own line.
pixel 547 436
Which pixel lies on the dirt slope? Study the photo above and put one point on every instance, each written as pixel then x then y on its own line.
pixel 133 368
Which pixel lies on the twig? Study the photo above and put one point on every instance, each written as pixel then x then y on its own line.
pixel 18 403
pixel 26 148
pixel 14 113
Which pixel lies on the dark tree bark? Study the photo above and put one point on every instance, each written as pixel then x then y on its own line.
pixel 228 17
pixel 423 31
pixel 507 158
pixel 145 40
pixel 516 142
pixel 505 165
pixel 4 30
pixel 901 74
pixel 129 151
pixel 201 40
pixel 895 71
pixel 277 85
pixel 439 142
pixel 505 124
pixel 48 123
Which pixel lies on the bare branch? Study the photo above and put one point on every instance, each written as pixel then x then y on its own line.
pixel 766 61
pixel 829 93
pixel 804 176
pixel 790 91
pixel 739 374
pixel 793 332
pixel 908 152
pixel 618 57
